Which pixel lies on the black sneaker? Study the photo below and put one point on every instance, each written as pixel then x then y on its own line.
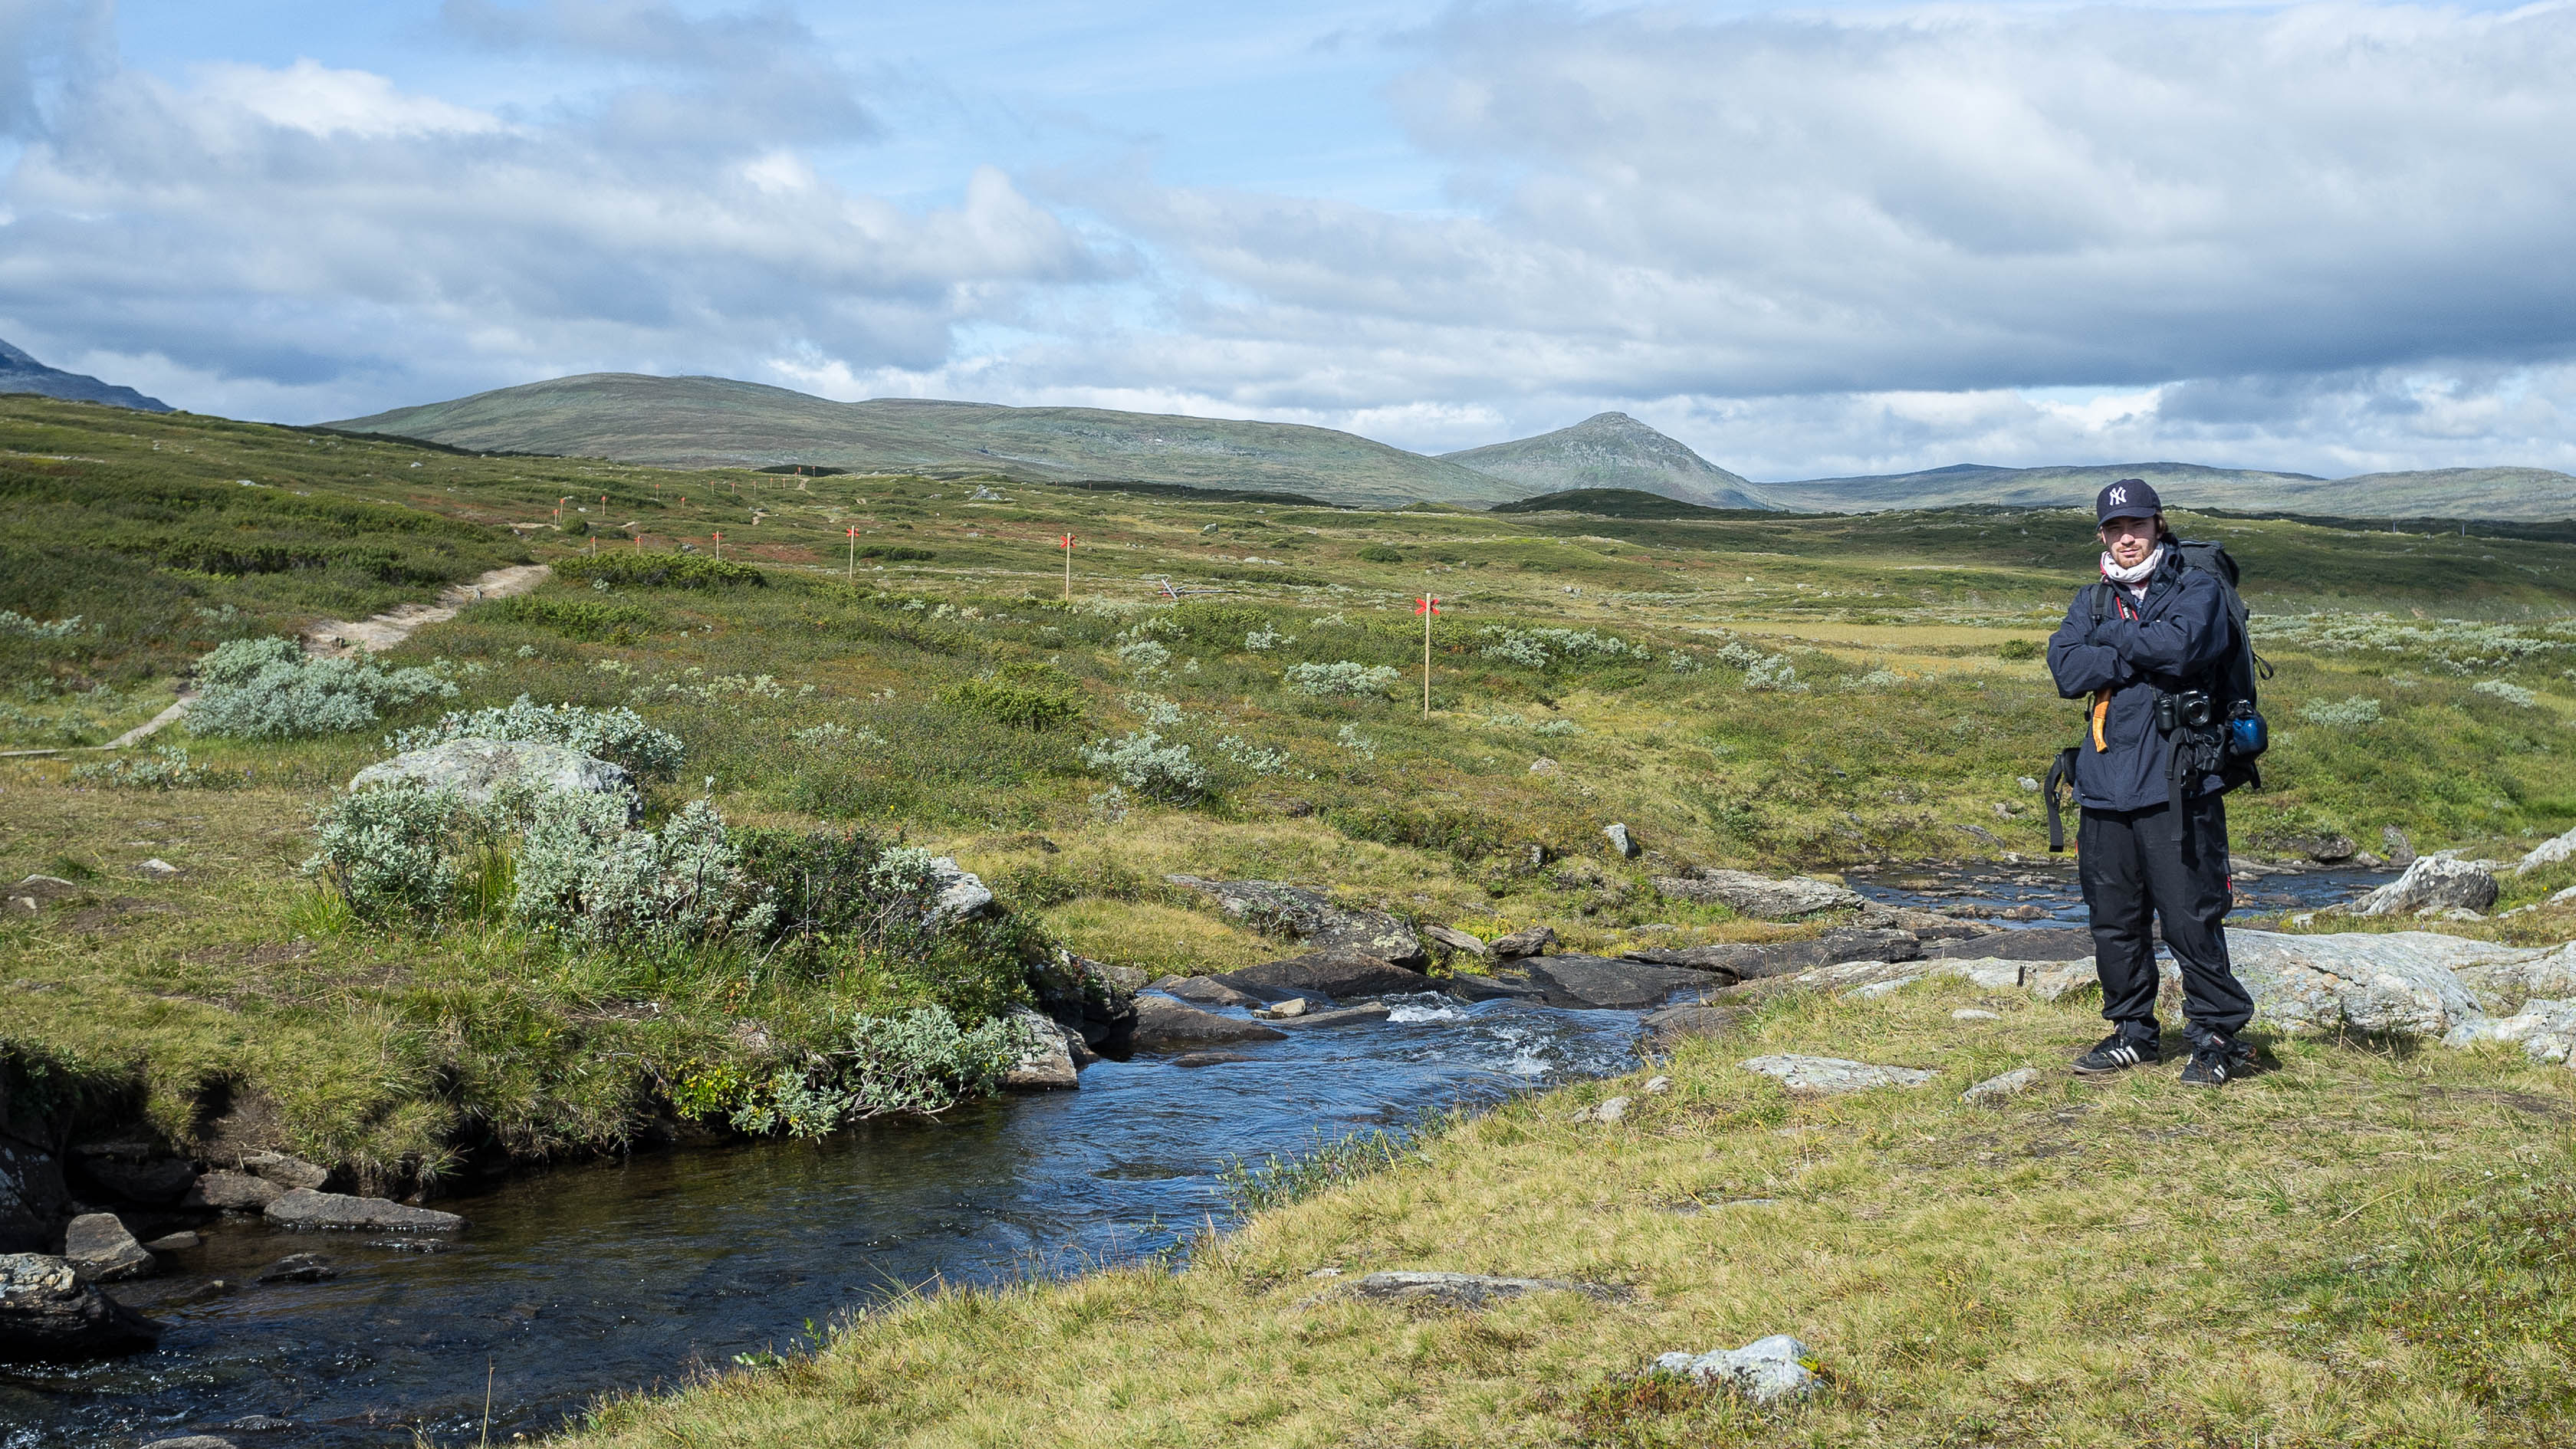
pixel 2117 1053
pixel 2216 1062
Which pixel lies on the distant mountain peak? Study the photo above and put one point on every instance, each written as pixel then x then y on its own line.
pixel 20 372
pixel 1610 450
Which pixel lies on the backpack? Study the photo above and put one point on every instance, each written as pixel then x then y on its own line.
pixel 2237 735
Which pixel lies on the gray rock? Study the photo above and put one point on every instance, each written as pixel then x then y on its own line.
pixel 1742 961
pixel 1532 941
pixel 2548 852
pixel 1607 1111
pixel 1766 1371
pixel 1205 991
pixel 158 869
pixel 1294 1006
pixel 1835 1074
pixel 1278 909
pixel 1092 999
pixel 1327 974
pixel 2545 1030
pixel 205 1441
pixel 299 1268
pixel 47 1310
pixel 1209 1059
pixel 473 769
pixel 233 1192
pixel 260 1424
pixel 961 894
pixel 1360 1015
pixel 1621 841
pixel 305 1208
pixel 99 1246
pixel 1972 1013
pixel 1598 983
pixel 2000 1089
pixel 1163 1024
pixel 1468 986
pixel 2401 851
pixel 138 1170
pixel 178 1242
pixel 1048 1064
pixel 2503 985
pixel 2043 943
pixel 1670 1027
pixel 2400 983
pixel 2435 882
pixel 1465 1290
pixel 1455 940
pixel 285 1171
pixel 33 1195
pixel 1773 899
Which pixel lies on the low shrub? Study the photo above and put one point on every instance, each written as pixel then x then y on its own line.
pixel 266 689
pixel 2510 693
pixel 919 1061
pixel 897 553
pixel 2346 714
pixel 1141 762
pixel 1024 702
pixel 661 570
pixel 618 735
pixel 582 874
pixel 575 618
pixel 1345 678
pixel 1380 553
pixel 2019 650
pixel 167 769
pixel 389 851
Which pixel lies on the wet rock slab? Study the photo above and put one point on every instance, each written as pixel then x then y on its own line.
pixel 1599 983
pixel 305 1208
pixel 48 1311
pixel 1163 1024
pixel 1670 1027
pixel 1772 898
pixel 100 1247
pixel 1279 909
pixel 2402 983
pixel 1329 975
pixel 1741 961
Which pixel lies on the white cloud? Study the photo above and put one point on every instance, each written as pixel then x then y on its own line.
pixel 308 97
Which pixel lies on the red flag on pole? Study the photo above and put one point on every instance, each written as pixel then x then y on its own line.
pixel 1427 604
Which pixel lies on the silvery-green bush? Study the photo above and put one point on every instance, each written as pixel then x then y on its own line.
pixel 13 622
pixel 581 873
pixel 1344 677
pixel 2510 693
pixel 618 735
pixel 919 1061
pixel 166 769
pixel 266 689
pixel 1144 764
pixel 2345 714
pixel 1537 648
pixel 389 851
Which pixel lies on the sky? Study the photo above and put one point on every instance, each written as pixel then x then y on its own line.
pixel 2329 239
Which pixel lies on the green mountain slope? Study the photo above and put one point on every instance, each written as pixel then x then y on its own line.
pixel 1610 450
pixel 22 373
pixel 2502 494
pixel 707 422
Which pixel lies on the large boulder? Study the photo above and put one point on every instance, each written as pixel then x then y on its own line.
pixel 1330 974
pixel 47 1310
pixel 2502 985
pixel 305 1208
pixel 1048 1064
pixel 2548 852
pixel 1598 983
pixel 1741 961
pixel 1207 991
pixel 1163 1024
pixel 228 1191
pixel 2434 882
pixel 1674 1025
pixel 1277 909
pixel 1093 999
pixel 103 1251
pixel 473 769
pixel 2402 983
pixel 1771 898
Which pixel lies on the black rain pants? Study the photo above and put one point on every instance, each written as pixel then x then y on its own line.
pixel 2171 861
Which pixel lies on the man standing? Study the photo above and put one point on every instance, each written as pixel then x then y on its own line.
pixel 2142 645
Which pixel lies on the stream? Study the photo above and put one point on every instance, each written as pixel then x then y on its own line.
pixel 636 1273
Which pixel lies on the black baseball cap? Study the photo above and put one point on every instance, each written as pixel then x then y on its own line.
pixel 2128 498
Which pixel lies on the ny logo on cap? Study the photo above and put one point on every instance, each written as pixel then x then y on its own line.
pixel 2119 496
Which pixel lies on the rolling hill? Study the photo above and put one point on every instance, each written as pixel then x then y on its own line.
pixel 1610 450
pixel 703 422
pixel 22 373
pixel 2501 494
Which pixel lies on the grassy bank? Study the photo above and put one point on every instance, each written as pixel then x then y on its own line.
pixel 2357 1247
pixel 901 655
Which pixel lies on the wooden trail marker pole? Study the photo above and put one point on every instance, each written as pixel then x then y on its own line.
pixel 854 557
pixel 1426 606
pixel 1067 545
pixel 720 545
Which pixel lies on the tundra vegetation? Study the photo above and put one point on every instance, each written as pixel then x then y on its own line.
pixel 2347 1250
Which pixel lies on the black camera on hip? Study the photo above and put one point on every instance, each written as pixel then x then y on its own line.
pixel 2189 710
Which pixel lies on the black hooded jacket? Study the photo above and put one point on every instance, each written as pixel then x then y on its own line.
pixel 2171 641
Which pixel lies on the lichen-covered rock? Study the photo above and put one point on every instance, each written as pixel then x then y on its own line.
pixel 2502 985
pixel 1278 909
pixel 2401 983
pixel 1524 943
pixel 47 1310
pixel 2001 1088
pixel 100 1248
pixel 285 1171
pixel 1048 1064
pixel 1773 899
pixel 2548 852
pixel 1745 961
pixel 1766 1370
pixel 1331 975
pixel 228 1191
pixel 1465 1290
pixel 958 894
pixel 2434 882
pixel 473 769
pixel 1835 1074
pixel 2545 1030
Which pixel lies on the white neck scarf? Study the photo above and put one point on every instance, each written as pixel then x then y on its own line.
pixel 2134 580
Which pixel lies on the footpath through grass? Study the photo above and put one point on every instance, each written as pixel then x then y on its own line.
pixel 2355 1247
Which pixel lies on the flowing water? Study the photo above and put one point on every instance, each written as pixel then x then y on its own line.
pixel 624 1275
